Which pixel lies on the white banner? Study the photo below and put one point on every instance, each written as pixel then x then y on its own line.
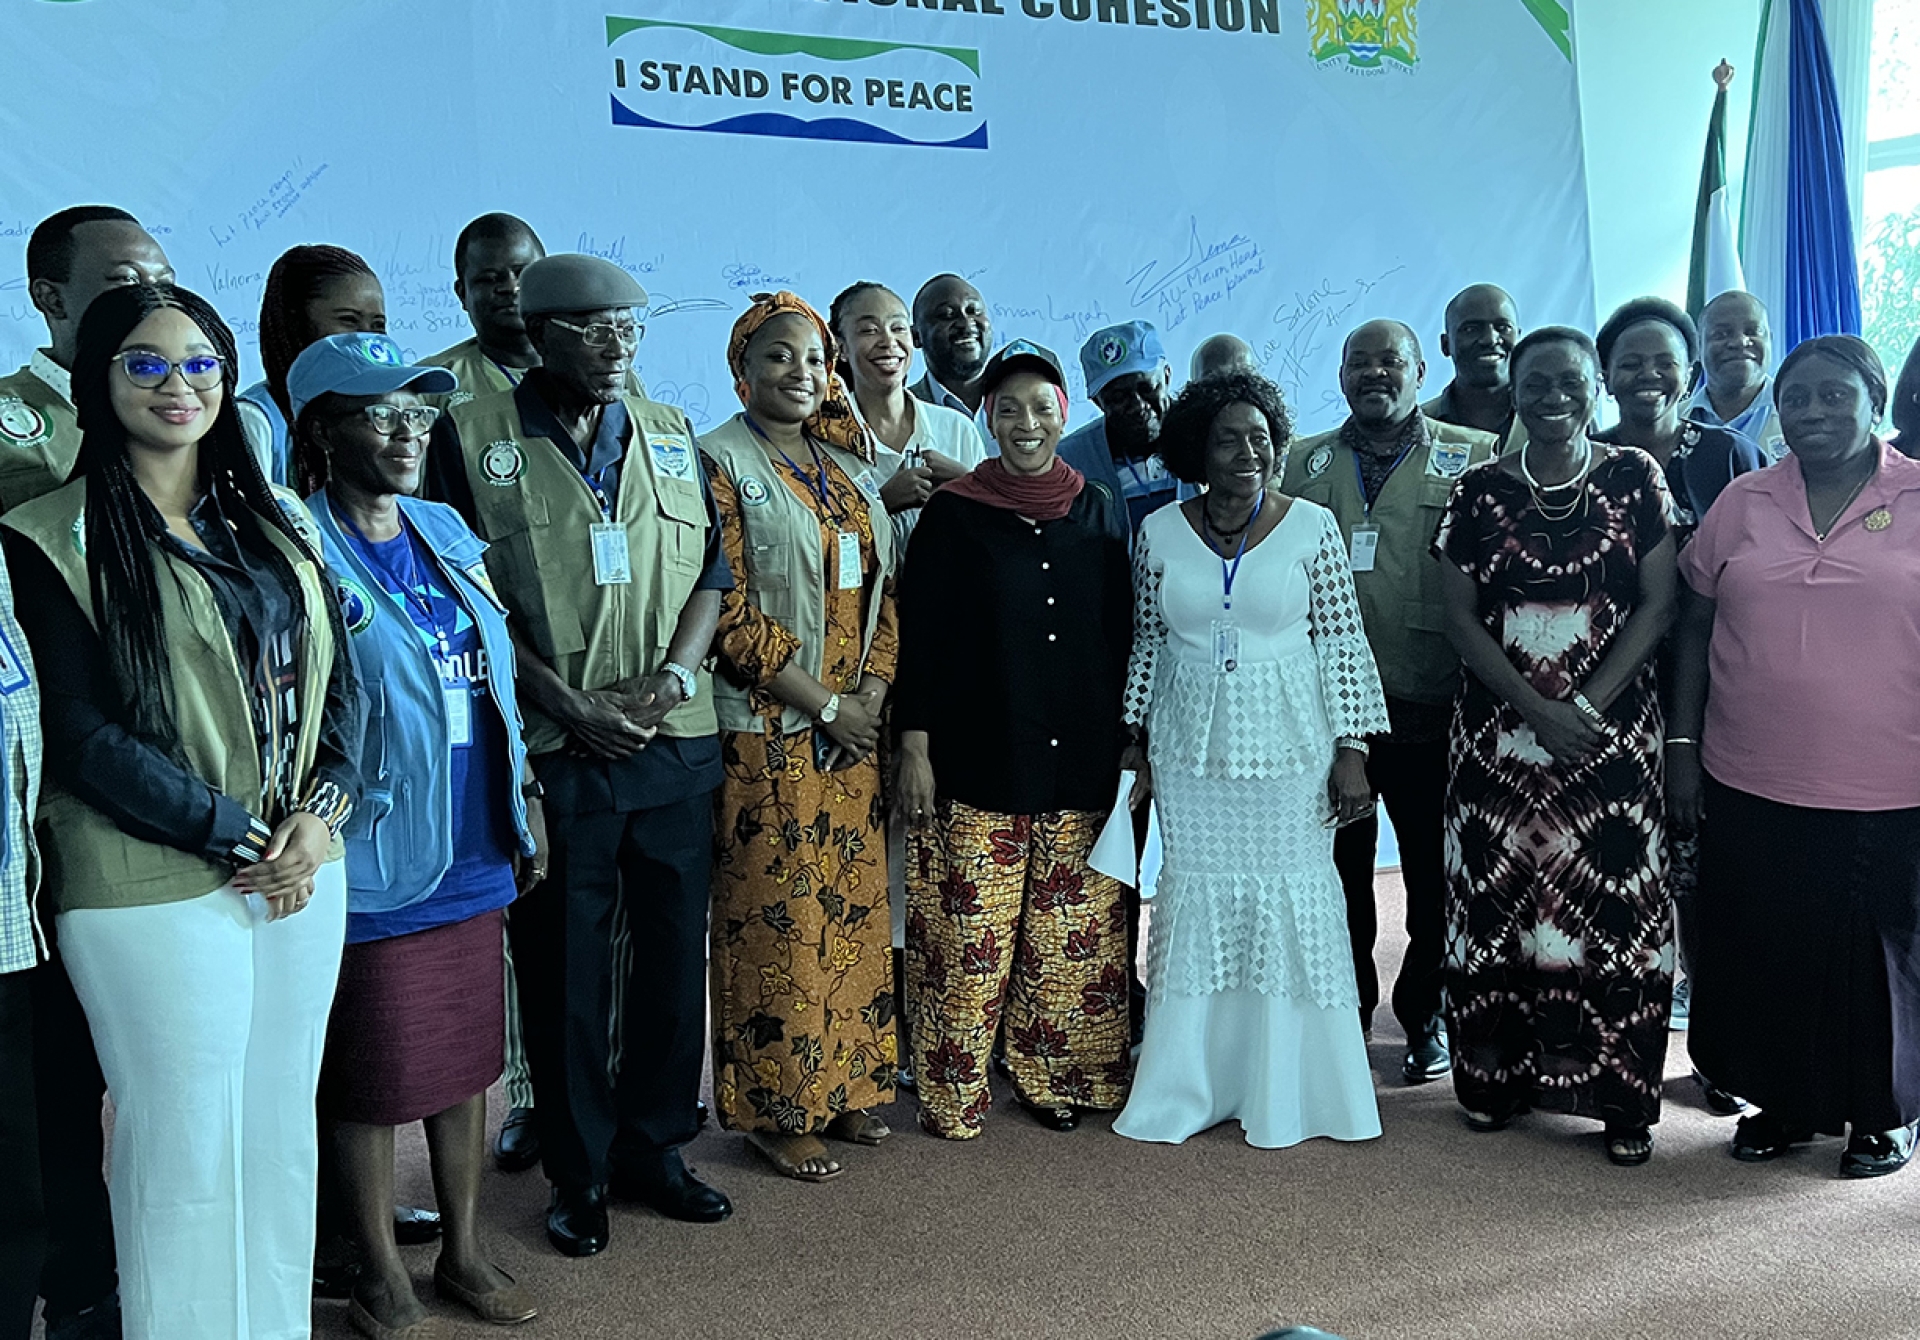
pixel 1282 169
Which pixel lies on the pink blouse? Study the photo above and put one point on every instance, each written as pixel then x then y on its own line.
pixel 1815 695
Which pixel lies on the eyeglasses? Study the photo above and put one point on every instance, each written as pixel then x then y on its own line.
pixel 602 333
pixel 386 419
pixel 149 371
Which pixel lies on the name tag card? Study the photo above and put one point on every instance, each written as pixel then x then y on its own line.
pixel 1366 545
pixel 612 560
pixel 1226 645
pixel 458 697
pixel 849 560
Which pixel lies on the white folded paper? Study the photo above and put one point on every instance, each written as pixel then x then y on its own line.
pixel 1114 855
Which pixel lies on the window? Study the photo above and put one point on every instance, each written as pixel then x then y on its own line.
pixel 1890 232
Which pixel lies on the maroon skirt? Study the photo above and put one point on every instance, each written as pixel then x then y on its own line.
pixel 419 1024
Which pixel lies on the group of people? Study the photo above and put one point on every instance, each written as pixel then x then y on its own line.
pixel 385 726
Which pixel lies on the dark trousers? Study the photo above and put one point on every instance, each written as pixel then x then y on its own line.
pixel 650 867
pixel 69 1089
pixel 23 1227
pixel 1411 782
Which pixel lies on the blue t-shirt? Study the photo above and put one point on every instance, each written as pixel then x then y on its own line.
pixel 481 876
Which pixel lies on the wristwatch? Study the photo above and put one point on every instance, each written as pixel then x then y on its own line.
pixel 689 686
pixel 830 711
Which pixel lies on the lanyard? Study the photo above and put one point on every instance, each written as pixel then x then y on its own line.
pixel 1228 573
pixel 410 581
pixel 1360 478
pixel 816 485
pixel 1143 484
pixel 599 491
pixel 513 382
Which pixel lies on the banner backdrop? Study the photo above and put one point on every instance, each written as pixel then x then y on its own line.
pixel 1281 169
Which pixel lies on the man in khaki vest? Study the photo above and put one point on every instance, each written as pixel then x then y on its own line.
pixel 604 548
pixel 1386 474
pixel 1482 326
pixel 72 258
pixel 489 258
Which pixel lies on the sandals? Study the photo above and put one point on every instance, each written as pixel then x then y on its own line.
pixel 780 1151
pixel 1491 1121
pixel 1629 1146
pixel 858 1128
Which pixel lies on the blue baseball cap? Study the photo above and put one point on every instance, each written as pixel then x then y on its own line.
pixel 1118 350
pixel 359 364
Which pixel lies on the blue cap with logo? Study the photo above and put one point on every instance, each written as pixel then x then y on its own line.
pixel 359 364
pixel 1118 350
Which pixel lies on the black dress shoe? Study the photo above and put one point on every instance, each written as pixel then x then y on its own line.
pixel 1762 1137
pixel 1053 1118
pixel 1719 1102
pixel 1427 1059
pixel 1877 1153
pixel 334 1280
pixel 671 1190
pixel 99 1322
pixel 415 1227
pixel 518 1147
pixel 577 1221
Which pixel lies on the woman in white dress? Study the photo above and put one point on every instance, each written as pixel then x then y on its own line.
pixel 1254 684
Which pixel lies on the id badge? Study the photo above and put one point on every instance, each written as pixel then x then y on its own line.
pixel 1226 645
pixel 458 697
pixel 1366 544
pixel 13 671
pixel 612 562
pixel 849 560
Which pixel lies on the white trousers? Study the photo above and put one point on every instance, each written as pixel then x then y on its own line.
pixel 210 1024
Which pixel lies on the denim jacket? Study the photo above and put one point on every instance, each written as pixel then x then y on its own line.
pixel 400 840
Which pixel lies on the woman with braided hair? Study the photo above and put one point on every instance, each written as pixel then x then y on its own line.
pixel 312 292
pixel 202 726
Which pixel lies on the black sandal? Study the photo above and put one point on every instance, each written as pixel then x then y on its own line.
pixel 1629 1146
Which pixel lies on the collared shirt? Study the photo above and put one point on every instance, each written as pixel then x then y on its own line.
pixel 57 378
pixel 669 769
pixel 1812 702
pixel 1512 437
pixel 1759 421
pixel 940 429
pixel 22 941
pixel 930 390
pixel 1139 486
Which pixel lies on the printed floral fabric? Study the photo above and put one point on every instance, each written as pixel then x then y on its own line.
pixel 1560 936
pixel 1008 930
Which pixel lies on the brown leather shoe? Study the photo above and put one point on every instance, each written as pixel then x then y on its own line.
pixel 508 1306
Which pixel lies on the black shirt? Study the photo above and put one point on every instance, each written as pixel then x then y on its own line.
pixel 133 782
pixel 1014 639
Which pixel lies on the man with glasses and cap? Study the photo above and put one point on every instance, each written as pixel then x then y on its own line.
pixel 605 551
pixel 1386 474
pixel 1129 378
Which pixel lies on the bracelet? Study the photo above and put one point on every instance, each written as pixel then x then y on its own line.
pixel 1580 701
pixel 533 790
pixel 1683 739
pixel 1355 743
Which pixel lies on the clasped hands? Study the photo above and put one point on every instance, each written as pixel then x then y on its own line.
pixel 620 720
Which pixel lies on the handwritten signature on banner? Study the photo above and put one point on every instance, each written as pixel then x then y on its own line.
pixel 1208 273
pixel 1304 324
pixel 273 203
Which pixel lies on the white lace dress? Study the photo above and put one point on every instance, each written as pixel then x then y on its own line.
pixel 1253 1011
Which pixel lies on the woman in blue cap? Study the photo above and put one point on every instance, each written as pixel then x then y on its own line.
pixel 447 835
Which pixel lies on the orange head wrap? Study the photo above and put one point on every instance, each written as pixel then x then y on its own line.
pixel 834 422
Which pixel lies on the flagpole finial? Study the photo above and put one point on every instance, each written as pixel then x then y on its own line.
pixel 1722 75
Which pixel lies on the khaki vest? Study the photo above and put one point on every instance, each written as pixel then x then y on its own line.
pixel 786 576
pixel 481 376
pixel 39 439
pixel 1441 408
pixel 90 862
pixel 535 511
pixel 1400 600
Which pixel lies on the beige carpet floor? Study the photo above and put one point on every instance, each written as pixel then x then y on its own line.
pixel 1431 1231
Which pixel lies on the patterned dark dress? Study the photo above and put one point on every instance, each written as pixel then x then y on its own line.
pixel 1559 938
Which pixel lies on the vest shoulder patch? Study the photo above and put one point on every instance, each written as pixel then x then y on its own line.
pixel 21 424
pixel 752 492
pixel 356 606
pixel 672 454
pixel 1448 460
pixel 503 463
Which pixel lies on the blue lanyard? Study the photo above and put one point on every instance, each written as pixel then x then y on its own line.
pixel 410 581
pixel 1228 573
pixel 505 371
pixel 599 491
pixel 816 485
pixel 1360 479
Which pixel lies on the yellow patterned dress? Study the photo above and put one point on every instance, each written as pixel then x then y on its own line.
pixel 803 1012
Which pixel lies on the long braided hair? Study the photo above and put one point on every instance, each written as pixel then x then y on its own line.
pixel 294 281
pixel 121 524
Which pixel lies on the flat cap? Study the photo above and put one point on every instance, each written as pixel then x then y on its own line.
pixel 571 282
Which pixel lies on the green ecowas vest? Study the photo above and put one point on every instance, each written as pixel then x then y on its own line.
pixel 786 572
pixel 39 439
pixel 90 862
pixel 1401 600
pixel 535 511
